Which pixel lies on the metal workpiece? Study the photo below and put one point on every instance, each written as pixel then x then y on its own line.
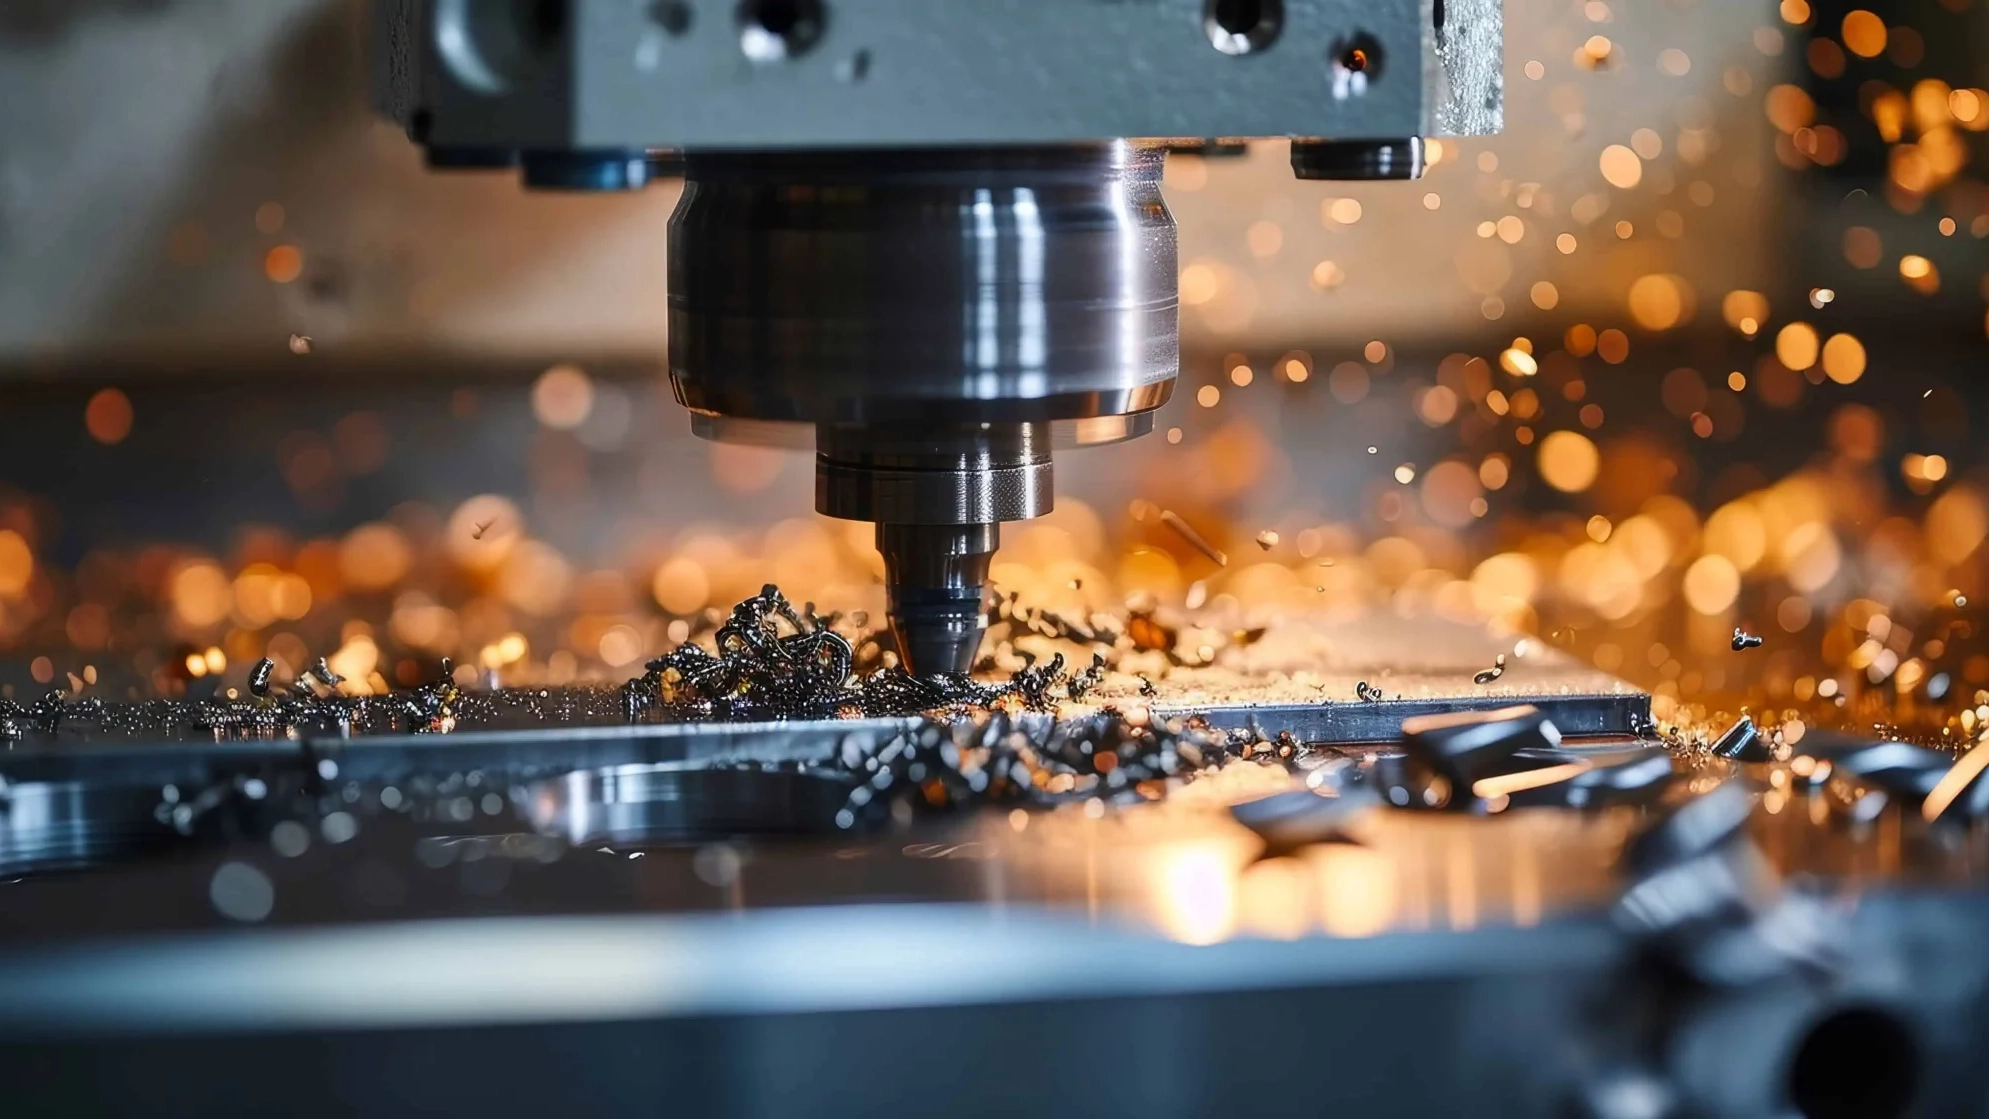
pixel 672 802
pixel 57 824
pixel 760 74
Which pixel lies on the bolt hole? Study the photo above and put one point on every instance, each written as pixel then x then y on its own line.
pixel 548 21
pixel 673 16
pixel 777 30
pixel 489 46
pixel 1238 27
pixel 1857 1062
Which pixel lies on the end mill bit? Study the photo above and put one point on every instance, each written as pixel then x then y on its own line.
pixel 934 580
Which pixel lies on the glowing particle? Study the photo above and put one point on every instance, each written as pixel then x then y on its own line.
pixel 1843 358
pixel 1711 584
pixel 1613 346
pixel 1864 34
pixel 562 397
pixel 1194 539
pixel 1208 396
pixel 108 416
pixel 1658 301
pixel 1796 346
pixel 1621 167
pixel 1569 461
pixel 283 264
pixel 1518 362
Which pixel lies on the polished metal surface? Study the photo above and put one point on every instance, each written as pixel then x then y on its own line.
pixel 47 825
pixel 1577 716
pixel 866 286
pixel 676 801
pixel 1356 160
pixel 935 474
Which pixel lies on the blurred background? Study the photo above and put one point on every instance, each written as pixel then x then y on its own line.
pixel 1697 343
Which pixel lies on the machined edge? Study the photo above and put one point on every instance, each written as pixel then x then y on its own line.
pixel 735 400
pixel 1337 722
pixel 853 492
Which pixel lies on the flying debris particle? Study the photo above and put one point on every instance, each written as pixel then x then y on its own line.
pixel 1373 450
pixel 1497 670
pixel 1368 692
pixel 1960 599
pixel 1741 742
pixel 300 344
pixel 259 677
pixel 1267 539
pixel 1198 593
pixel 1744 640
pixel 477 532
pixel 325 675
pixel 1820 298
pixel 1195 539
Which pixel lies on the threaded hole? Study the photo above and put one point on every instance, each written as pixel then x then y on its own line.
pixel 1237 27
pixel 777 30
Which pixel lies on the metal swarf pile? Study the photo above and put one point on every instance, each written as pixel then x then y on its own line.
pixel 774 661
pixel 1035 760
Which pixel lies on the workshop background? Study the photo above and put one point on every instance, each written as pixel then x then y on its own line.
pixel 1695 344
